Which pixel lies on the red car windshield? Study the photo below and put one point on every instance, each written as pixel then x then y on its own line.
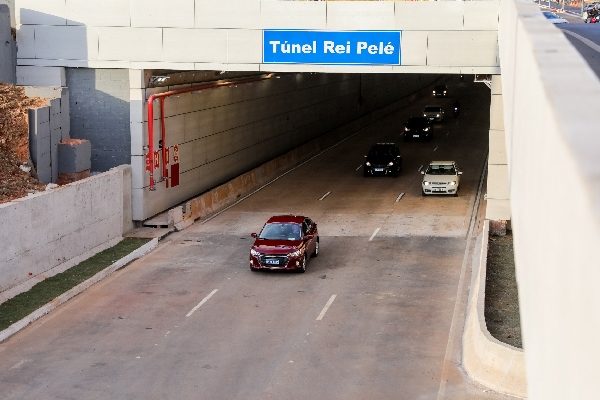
pixel 281 231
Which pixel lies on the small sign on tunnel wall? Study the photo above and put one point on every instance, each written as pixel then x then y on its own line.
pixel 332 47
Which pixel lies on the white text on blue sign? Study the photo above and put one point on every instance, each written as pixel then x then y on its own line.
pixel 324 47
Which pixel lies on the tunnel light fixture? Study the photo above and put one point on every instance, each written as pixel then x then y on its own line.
pixel 159 79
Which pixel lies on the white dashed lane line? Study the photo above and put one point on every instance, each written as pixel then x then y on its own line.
pixel 374 234
pixel 204 300
pixel 325 195
pixel 435 148
pixel 327 305
pixel 400 196
pixel 359 167
pixel 420 168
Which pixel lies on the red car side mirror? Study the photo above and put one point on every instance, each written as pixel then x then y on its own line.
pixel 254 235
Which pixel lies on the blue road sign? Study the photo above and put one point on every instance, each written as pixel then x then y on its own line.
pixel 329 47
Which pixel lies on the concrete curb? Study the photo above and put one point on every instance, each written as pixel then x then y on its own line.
pixel 63 298
pixel 488 361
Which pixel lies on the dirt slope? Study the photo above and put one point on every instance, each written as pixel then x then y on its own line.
pixel 14 143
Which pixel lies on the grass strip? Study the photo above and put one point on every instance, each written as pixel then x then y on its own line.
pixel 45 291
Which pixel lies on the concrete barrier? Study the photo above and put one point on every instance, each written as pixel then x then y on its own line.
pixel 51 231
pixel 488 361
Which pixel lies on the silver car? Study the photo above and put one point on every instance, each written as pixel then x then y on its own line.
pixel 441 177
pixel 434 113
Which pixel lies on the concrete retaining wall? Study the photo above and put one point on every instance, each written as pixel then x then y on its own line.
pixel 227 35
pixel 8 49
pixel 47 127
pixel 222 133
pixel 51 231
pixel 488 361
pixel 551 99
pixel 99 101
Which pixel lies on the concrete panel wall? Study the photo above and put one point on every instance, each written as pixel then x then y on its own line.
pixel 51 228
pixel 550 108
pixel 227 35
pixel 224 132
pixel 8 50
pixel 99 101
pixel 47 127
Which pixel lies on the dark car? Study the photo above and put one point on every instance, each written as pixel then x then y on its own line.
pixel 440 91
pixel 383 159
pixel 418 128
pixel 286 242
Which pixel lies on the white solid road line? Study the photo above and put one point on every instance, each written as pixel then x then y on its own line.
pixel 400 196
pixel 359 167
pixel 374 234
pixel 204 300
pixel 324 310
pixel 583 40
pixel 325 195
pixel 420 168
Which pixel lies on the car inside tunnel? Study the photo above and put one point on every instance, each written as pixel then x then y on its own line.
pixel 210 127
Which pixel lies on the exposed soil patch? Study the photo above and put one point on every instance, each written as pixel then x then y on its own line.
pixel 14 143
pixel 501 295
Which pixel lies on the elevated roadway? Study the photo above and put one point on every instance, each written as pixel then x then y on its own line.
pixel 191 321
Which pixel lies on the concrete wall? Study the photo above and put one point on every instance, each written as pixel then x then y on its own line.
pixel 47 127
pixel 53 230
pixel 227 35
pixel 224 132
pixel 498 190
pixel 8 49
pixel 551 99
pixel 99 100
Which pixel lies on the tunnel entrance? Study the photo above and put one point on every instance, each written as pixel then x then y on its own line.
pixel 208 128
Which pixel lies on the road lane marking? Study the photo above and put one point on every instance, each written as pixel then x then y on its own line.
pixel 435 148
pixel 584 40
pixel 420 168
pixel 19 364
pixel 400 196
pixel 374 234
pixel 204 300
pixel 325 195
pixel 359 167
pixel 324 310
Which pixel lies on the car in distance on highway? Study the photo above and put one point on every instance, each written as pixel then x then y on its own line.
pixel 554 18
pixel 434 113
pixel 418 128
pixel 441 177
pixel 286 242
pixel 440 91
pixel 383 159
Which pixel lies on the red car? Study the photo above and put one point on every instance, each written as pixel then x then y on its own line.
pixel 286 242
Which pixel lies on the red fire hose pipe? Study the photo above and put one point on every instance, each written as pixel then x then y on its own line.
pixel 150 159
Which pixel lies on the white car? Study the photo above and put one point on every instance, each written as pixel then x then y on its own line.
pixel 441 177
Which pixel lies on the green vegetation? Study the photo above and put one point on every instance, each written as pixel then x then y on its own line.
pixel 42 293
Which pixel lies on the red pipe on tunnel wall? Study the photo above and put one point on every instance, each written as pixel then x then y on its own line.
pixel 150 159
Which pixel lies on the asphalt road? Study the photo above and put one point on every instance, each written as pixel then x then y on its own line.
pixel 586 39
pixel 378 315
